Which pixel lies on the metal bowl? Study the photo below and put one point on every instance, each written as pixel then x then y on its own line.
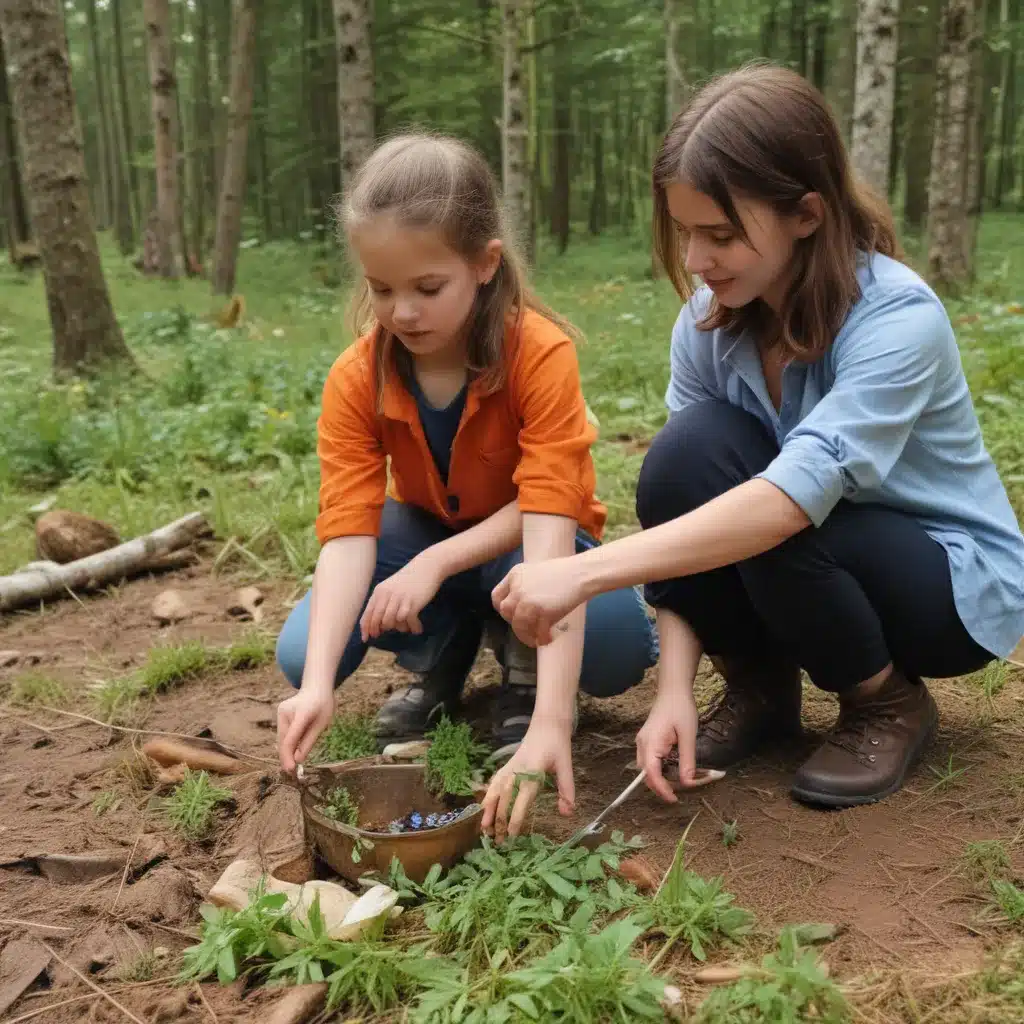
pixel 384 792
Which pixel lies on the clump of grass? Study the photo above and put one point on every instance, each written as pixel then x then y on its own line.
pixel 986 858
pixel 108 800
pixel 947 775
pixel 339 806
pixel 142 968
pixel 789 986
pixel 345 739
pixel 171 664
pixel 134 772
pixel 454 758
pixel 253 649
pixel 38 688
pixel 993 679
pixel 116 701
pixel 730 833
pixel 1009 899
pixel 190 807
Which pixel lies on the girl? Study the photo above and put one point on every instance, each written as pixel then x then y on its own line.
pixel 470 387
pixel 820 497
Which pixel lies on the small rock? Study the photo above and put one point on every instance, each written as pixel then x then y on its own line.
pixel 246 604
pixel 640 871
pixel 169 606
pixel 170 1008
pixel 63 536
pixel 9 658
pixel 300 1005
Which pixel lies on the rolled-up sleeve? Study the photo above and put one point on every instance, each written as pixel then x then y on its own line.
pixel 886 368
pixel 353 465
pixel 686 384
pixel 555 474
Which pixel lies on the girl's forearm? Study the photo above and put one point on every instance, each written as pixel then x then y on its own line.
pixel 496 535
pixel 680 653
pixel 341 581
pixel 747 520
pixel 559 662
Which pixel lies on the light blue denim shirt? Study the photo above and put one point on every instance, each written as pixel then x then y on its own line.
pixel 884 417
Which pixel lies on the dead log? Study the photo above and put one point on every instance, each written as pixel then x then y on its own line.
pixel 107 567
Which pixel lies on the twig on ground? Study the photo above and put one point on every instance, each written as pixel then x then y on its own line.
pixel 28 722
pixel 35 924
pixel 806 858
pixel 878 942
pixel 205 1002
pixel 924 924
pixel 78 974
pixel 124 874
pixel 52 1006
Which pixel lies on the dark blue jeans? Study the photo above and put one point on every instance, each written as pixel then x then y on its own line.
pixel 620 641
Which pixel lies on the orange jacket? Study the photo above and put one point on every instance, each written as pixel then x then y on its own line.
pixel 529 440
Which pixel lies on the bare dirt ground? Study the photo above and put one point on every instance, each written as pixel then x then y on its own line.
pixel 893 876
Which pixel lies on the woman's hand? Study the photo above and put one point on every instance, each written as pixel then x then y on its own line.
pixel 535 596
pixel 300 721
pixel 396 602
pixel 547 748
pixel 672 722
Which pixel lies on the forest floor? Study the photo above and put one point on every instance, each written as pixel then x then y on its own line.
pixel 924 889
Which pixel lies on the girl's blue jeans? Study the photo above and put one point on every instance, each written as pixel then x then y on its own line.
pixel 620 640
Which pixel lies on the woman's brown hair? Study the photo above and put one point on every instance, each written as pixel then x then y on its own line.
pixel 765 133
pixel 435 181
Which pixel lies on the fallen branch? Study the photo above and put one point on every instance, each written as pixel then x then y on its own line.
pixel 81 977
pixel 34 924
pixel 131 558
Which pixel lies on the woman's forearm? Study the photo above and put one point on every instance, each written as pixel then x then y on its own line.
pixel 340 584
pixel 746 521
pixel 558 663
pixel 680 653
pixel 496 535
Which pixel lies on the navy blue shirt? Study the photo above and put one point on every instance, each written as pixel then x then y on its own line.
pixel 439 425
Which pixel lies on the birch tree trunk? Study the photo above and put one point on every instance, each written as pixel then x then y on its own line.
pixel 947 207
pixel 85 330
pixel 875 91
pixel 19 234
pixel 232 188
pixel 675 83
pixel 163 86
pixel 353 33
pixel 514 128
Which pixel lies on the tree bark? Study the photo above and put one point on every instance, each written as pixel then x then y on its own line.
pixel 875 91
pixel 232 188
pixel 19 234
pixel 163 86
pixel 974 175
pixel 514 131
pixel 202 151
pixel 353 33
pixel 561 176
pixel 947 208
pixel 842 78
pixel 675 82
pixel 124 102
pixel 85 330
pixel 106 160
pixel 917 146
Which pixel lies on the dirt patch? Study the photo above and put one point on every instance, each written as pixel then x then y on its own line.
pixel 893 876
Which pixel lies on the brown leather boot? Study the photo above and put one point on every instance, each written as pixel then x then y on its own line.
pixel 760 704
pixel 874 743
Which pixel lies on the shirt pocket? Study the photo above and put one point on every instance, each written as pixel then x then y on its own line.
pixel 501 458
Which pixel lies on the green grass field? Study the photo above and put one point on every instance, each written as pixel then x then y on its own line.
pixel 225 420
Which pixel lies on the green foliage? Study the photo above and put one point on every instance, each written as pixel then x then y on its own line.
pixel 986 858
pixel 346 738
pixel 1009 899
pixel 730 833
pixel 454 758
pixel 108 800
pixel 339 806
pixel 38 688
pixel 254 649
pixel 189 809
pixel 790 988
pixel 171 664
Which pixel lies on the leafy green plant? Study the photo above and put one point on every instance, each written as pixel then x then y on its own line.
pixel 1009 899
pixel 694 909
pixel 339 806
pixel 108 800
pixel 345 739
pixel 453 758
pixel 190 807
pixel 730 833
pixel 986 858
pixel 789 988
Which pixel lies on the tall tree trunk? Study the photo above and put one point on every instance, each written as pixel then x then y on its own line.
pixel 917 147
pixel 843 77
pixel 819 44
pixel 974 173
pixel 85 330
pixel 947 208
pixel 1006 109
pixel 232 189
pixel 353 26
pixel 19 234
pixel 514 130
pixel 798 35
pixel 599 197
pixel 108 161
pixel 124 103
pixel 262 156
pixel 675 81
pixel 202 151
pixel 164 90
pixel 875 92
pixel 561 98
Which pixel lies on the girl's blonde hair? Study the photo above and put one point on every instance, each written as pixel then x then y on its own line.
pixel 765 133
pixel 435 181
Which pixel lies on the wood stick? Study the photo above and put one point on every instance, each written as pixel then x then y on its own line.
pixel 209 1008
pixel 52 1006
pixel 35 924
pixel 78 974
pixel 124 874
pixel 132 557
pixel 806 858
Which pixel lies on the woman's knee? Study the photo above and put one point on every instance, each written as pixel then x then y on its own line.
pixel 701 452
pixel 620 643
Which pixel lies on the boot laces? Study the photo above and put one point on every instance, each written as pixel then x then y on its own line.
pixel 853 730
pixel 723 714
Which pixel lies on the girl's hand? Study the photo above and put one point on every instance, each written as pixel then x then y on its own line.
pixel 300 720
pixel 672 722
pixel 396 602
pixel 535 596
pixel 546 747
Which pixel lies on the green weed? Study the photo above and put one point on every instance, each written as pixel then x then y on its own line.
pixel 345 739
pixel 730 833
pixel 117 701
pixel 108 800
pixel 1009 899
pixel 339 806
pixel 986 858
pixel 142 968
pixel 947 775
pixel 169 665
pixel 252 650
pixel 189 809
pixel 38 688
pixel 454 758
